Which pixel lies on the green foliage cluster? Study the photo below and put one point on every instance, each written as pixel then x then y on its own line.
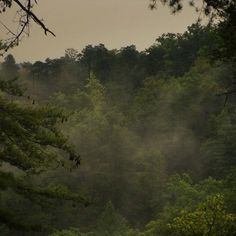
pixel 210 218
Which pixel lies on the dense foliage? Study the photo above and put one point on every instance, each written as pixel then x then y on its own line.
pixel 156 131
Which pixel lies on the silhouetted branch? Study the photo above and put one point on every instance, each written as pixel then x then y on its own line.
pixel 25 15
pixel 31 15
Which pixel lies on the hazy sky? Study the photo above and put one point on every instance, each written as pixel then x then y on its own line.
pixel 77 23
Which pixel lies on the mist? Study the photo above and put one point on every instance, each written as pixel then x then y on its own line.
pixel 113 138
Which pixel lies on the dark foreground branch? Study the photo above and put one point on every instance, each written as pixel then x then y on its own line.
pixel 31 15
pixel 25 13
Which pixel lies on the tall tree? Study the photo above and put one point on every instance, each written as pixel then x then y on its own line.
pixel 29 137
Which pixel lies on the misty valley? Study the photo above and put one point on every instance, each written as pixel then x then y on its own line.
pixel 122 142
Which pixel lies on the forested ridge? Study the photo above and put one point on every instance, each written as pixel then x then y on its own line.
pixel 122 142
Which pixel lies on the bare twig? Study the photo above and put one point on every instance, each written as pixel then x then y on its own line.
pixel 25 14
pixel 31 15
pixel 10 31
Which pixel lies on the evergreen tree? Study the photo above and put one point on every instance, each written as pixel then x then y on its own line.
pixel 30 136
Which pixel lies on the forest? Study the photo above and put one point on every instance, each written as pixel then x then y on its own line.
pixel 123 142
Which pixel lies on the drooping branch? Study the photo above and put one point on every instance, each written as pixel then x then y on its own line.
pixel 25 13
pixel 31 15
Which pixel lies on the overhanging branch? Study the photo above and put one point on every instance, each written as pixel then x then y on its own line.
pixel 25 14
pixel 31 15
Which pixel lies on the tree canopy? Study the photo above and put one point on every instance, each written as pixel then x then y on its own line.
pixel 155 129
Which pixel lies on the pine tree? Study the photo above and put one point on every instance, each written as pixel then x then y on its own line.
pixel 30 142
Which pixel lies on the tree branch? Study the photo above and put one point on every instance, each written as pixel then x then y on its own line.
pixel 25 15
pixel 31 15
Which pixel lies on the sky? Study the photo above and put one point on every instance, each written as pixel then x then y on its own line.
pixel 77 23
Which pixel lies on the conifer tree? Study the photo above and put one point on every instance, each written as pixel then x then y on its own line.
pixel 30 142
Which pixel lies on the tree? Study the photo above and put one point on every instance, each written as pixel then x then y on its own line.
pixel 209 219
pixel 111 223
pixel 71 54
pixel 224 12
pixel 218 151
pixel 98 60
pixel 174 54
pixel 30 136
pixel 9 68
